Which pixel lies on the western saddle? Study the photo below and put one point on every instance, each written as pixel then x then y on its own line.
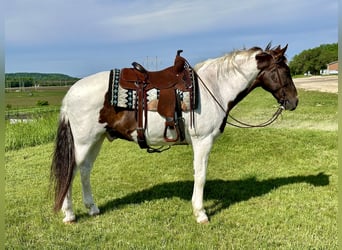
pixel 167 81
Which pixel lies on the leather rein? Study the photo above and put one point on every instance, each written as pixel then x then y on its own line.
pixel 243 124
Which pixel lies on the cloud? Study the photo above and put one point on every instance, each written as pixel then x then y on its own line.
pixel 100 33
pixel 91 21
pixel 51 21
pixel 166 18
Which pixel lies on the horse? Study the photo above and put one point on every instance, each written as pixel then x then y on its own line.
pixel 223 82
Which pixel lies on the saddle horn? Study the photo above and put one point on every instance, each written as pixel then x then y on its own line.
pixel 179 52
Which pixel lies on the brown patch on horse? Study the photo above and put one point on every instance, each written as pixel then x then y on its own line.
pixel 275 76
pixel 153 106
pixel 271 56
pixel 121 123
pixel 264 60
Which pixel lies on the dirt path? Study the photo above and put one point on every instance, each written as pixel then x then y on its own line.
pixel 318 83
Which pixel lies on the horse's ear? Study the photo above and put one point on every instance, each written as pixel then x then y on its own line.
pixel 279 54
pixel 283 50
pixel 263 60
pixel 277 48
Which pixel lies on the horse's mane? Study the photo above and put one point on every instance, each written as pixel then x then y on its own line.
pixel 230 60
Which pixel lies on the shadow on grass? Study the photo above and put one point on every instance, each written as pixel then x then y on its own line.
pixel 224 193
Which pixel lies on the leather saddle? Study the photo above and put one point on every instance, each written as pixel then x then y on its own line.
pixel 167 81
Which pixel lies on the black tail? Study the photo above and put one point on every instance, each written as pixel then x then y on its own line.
pixel 63 162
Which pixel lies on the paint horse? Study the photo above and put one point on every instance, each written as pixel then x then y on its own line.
pixel 223 82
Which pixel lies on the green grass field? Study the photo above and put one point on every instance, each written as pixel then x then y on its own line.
pixel 45 118
pixel 30 97
pixel 270 188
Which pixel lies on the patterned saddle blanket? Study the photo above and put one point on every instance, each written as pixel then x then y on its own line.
pixel 125 98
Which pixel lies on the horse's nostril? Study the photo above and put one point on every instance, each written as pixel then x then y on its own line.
pixel 295 105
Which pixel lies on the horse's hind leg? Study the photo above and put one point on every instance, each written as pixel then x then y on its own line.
pixel 67 209
pixel 87 155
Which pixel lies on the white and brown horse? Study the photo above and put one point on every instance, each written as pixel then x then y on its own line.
pixel 224 81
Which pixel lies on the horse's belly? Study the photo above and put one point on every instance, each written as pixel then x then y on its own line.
pixel 155 129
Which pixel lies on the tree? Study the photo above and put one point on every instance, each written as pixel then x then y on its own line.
pixel 30 79
pixel 314 60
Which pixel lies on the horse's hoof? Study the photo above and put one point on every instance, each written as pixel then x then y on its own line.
pixel 204 222
pixel 94 214
pixel 69 220
pixel 94 211
pixel 203 219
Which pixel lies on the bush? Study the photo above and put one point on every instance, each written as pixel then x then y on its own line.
pixel 42 103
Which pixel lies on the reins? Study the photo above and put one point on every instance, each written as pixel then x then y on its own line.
pixel 241 124
pixel 261 125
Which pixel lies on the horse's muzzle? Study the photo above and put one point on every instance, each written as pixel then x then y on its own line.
pixel 290 104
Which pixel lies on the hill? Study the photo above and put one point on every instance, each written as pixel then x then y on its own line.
pixel 14 80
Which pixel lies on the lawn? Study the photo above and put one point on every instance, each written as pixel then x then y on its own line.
pixel 271 188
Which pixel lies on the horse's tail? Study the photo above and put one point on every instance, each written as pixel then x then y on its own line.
pixel 63 162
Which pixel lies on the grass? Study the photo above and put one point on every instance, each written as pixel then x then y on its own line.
pixel 315 111
pixel 272 188
pixel 24 104
pixel 30 97
pixel 38 131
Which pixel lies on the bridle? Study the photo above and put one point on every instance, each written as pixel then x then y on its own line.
pixel 243 124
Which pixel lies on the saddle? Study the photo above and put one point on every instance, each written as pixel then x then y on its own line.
pixel 167 81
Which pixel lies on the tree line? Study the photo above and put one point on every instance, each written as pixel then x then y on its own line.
pixel 17 80
pixel 314 60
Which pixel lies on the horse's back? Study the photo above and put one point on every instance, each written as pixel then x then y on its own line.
pixel 90 87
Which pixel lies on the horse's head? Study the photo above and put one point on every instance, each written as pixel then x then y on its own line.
pixel 275 77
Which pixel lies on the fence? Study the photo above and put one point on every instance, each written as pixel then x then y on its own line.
pixel 29 113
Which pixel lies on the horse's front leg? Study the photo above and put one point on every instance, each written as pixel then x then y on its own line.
pixel 201 150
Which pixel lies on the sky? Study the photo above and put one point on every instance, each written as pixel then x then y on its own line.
pixel 82 37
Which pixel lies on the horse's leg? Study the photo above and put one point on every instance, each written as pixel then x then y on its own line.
pixel 201 148
pixel 86 156
pixel 67 209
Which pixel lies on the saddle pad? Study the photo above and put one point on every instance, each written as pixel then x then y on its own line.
pixel 123 98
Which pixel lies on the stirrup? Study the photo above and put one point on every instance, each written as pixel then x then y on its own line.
pixel 171 125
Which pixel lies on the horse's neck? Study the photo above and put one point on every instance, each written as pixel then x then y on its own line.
pixel 229 79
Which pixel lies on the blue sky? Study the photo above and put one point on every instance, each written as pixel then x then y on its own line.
pixel 82 37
